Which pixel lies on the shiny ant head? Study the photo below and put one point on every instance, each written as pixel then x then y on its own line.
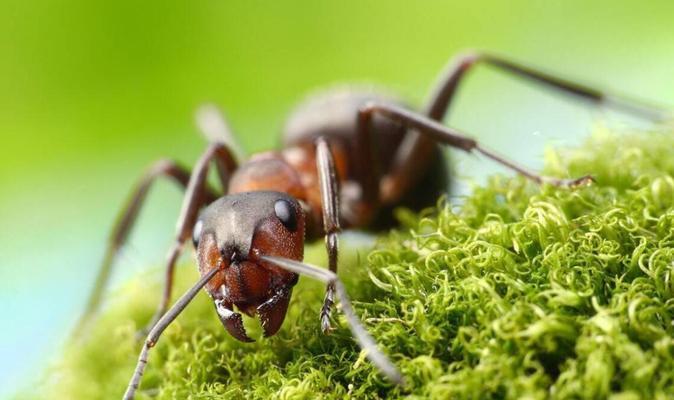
pixel 232 234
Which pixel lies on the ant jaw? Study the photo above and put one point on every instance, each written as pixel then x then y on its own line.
pixel 271 314
pixel 232 321
pixel 273 311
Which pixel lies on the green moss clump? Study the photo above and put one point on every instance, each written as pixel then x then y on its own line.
pixel 521 292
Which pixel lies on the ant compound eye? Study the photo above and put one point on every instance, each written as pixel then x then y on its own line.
pixel 196 233
pixel 286 214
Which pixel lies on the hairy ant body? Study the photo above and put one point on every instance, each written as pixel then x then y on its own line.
pixel 249 241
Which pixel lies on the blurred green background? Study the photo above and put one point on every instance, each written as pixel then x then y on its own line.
pixel 92 92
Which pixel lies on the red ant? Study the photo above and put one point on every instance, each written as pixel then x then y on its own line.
pixel 249 240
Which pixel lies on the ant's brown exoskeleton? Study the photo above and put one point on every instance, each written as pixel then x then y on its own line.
pixel 249 241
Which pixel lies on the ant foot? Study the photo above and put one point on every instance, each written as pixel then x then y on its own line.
pixel 326 311
pixel 326 326
pixel 570 183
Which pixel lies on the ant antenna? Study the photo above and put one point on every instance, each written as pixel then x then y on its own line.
pixel 364 339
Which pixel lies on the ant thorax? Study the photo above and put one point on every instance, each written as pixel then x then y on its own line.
pixel 292 171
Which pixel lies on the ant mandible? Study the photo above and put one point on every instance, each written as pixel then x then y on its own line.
pixel 249 240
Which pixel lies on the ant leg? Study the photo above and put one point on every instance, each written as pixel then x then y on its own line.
pixel 192 203
pixel 330 204
pixel 444 94
pixel 215 129
pixel 365 341
pixel 124 224
pixel 391 183
pixel 159 327
pixel 414 151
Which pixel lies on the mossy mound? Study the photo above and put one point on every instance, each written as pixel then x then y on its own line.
pixel 521 292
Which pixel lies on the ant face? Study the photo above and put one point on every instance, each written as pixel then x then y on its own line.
pixel 232 234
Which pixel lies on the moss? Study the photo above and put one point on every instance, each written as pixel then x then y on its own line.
pixel 520 292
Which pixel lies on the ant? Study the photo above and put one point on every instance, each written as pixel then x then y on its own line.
pixel 249 240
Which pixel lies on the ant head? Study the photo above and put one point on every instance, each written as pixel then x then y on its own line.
pixel 232 233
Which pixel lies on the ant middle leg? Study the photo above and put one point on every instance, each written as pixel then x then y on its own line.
pixel 414 151
pixel 125 222
pixel 392 184
pixel 330 204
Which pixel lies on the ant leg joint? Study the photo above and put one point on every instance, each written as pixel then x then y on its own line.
pixel 368 108
pixel 467 58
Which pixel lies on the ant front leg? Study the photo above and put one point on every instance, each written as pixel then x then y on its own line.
pixel 125 221
pixel 192 203
pixel 195 198
pixel 330 203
